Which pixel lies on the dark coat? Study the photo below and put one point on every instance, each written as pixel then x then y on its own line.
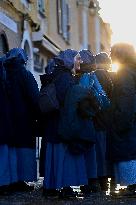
pixel 6 132
pixel 63 81
pixel 49 122
pixel 122 135
pixel 101 120
pixel 23 96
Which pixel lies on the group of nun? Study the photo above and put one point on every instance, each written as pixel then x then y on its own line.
pixel 75 162
pixel 64 164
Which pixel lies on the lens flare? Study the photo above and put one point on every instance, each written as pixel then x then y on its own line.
pixel 115 67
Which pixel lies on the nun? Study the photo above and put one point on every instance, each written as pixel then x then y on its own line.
pixel 62 168
pixel 122 146
pixel 89 65
pixel 7 149
pixel 104 167
pixel 23 96
pixel 96 158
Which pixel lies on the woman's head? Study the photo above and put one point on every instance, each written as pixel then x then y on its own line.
pixel 89 62
pixel 124 54
pixel 66 58
pixel 16 56
pixel 103 61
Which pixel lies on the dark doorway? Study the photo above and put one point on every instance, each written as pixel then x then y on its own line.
pixel 3 45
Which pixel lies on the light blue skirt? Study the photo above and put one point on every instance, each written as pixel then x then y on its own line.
pixel 91 163
pixel 62 169
pixel 26 164
pixel 125 172
pixel 8 165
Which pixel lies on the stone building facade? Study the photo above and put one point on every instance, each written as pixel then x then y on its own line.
pixel 44 27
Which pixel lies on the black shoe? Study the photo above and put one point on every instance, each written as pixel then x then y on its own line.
pixel 95 188
pixel 50 193
pixel 94 185
pixel 21 187
pixel 4 190
pixel 67 193
pixel 103 181
pixel 132 187
pixel 85 191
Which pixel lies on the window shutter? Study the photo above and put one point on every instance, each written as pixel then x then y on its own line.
pixel 64 19
pixel 68 22
pixel 59 16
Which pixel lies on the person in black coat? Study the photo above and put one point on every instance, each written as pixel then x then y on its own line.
pixel 62 168
pixel 96 158
pixel 7 152
pixel 122 142
pixel 23 97
pixel 103 73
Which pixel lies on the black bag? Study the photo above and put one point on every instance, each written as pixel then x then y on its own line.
pixel 48 100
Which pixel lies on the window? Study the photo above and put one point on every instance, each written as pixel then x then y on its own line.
pixel 41 6
pixel 63 19
pixel 3 45
pixel 26 3
pixel 38 63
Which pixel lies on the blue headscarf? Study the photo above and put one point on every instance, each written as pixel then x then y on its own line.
pixel 88 59
pixel 18 54
pixel 66 58
pixel 103 58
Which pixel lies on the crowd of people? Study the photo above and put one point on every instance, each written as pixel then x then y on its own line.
pixel 85 114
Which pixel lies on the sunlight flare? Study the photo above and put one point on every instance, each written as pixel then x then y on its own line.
pixel 115 67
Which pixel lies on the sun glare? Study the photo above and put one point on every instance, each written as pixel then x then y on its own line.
pixel 115 67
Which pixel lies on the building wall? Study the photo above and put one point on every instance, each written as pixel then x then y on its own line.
pixel 92 34
pixel 53 25
pixel 105 37
pixel 15 42
pixel 29 20
pixel 10 24
pixel 26 8
pixel 99 32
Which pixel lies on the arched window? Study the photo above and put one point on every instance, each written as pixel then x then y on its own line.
pixel 3 45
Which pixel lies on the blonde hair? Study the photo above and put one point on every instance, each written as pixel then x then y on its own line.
pixel 124 53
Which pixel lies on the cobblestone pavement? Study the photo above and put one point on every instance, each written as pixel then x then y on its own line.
pixel 36 198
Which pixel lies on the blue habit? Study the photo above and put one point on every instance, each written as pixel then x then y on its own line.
pixel 63 169
pixel 17 164
pixel 101 153
pixel 26 164
pixel 91 164
pixel 125 172
pixel 8 164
